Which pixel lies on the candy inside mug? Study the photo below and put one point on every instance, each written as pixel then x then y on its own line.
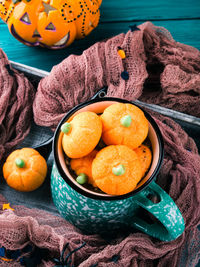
pixel 153 138
pixel 96 212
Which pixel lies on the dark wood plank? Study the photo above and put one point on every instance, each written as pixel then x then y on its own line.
pixel 184 31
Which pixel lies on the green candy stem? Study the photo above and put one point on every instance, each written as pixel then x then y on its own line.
pixel 20 163
pixel 126 121
pixel 82 178
pixel 66 127
pixel 119 170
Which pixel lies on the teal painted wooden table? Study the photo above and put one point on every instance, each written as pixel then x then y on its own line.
pixel 181 18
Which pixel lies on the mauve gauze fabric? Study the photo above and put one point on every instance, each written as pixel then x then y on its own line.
pixel 179 176
pixel 16 98
pixel 161 71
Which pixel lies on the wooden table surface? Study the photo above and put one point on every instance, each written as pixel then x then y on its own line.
pixel 180 17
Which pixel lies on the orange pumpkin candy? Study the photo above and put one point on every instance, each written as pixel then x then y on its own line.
pixel 145 156
pixel 84 165
pixel 53 24
pixel 116 169
pixel 124 124
pixel 25 169
pixel 81 134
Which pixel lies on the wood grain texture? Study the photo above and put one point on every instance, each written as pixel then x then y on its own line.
pixel 184 31
pixel 179 17
pixel 126 10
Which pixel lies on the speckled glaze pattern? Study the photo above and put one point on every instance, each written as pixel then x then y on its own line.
pixel 98 216
pixel 165 210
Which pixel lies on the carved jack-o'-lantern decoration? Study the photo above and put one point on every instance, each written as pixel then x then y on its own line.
pixel 50 23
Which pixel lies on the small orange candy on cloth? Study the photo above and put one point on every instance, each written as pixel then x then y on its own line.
pixel 81 134
pixel 145 156
pixel 25 169
pixel 84 165
pixel 6 206
pixel 116 169
pixel 124 124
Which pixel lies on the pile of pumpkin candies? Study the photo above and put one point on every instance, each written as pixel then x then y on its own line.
pixel 116 168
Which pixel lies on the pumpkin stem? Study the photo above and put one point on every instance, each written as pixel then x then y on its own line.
pixel 119 170
pixel 126 121
pixel 66 127
pixel 20 163
pixel 82 178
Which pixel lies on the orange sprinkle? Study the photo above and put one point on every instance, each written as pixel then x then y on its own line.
pixel 5 259
pixel 7 207
pixel 121 53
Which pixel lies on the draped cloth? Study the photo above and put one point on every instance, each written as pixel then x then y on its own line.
pixel 179 177
pixel 16 99
pixel 161 71
pixel 157 70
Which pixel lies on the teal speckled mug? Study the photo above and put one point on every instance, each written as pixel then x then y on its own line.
pixel 94 212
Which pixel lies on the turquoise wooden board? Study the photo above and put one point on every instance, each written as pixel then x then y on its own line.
pixel 181 18
pixel 126 10
pixel 184 31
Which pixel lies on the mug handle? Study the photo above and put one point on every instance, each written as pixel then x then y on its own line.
pixel 170 221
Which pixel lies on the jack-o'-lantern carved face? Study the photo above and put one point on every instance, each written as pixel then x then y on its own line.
pixel 50 23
